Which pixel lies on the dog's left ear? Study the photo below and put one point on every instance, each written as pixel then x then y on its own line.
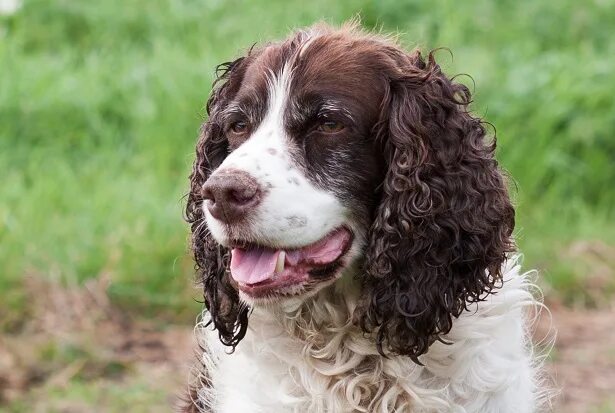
pixel 443 226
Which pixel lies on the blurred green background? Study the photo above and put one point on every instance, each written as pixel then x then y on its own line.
pixel 100 103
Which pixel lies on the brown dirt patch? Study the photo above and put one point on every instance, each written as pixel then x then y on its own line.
pixel 583 361
pixel 75 336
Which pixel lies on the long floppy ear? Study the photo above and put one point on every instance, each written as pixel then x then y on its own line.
pixel 443 227
pixel 228 315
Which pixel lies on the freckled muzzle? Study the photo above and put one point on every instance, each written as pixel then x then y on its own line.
pixel 263 198
pixel 230 194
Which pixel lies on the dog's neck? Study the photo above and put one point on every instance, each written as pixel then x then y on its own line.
pixel 319 315
pixel 313 351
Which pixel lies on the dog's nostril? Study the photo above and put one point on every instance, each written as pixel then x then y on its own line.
pixel 242 196
pixel 207 194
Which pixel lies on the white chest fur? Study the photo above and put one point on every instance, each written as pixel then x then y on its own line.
pixel 312 359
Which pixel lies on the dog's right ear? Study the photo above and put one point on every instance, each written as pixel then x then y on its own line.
pixel 228 315
pixel 444 225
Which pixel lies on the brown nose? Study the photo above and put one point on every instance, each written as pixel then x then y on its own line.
pixel 230 194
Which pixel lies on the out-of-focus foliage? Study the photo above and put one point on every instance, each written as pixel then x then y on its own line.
pixel 100 103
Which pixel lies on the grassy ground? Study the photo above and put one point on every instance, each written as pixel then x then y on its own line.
pixel 100 103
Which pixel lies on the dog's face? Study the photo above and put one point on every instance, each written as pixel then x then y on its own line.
pixel 335 149
pixel 293 199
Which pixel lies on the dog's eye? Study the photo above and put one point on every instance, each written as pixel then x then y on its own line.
pixel 238 127
pixel 330 126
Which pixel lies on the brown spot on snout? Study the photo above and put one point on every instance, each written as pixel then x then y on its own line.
pixel 230 194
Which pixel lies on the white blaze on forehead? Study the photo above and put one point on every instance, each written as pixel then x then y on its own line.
pixel 279 90
pixel 293 212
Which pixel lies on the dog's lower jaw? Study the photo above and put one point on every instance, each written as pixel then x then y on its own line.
pixel 342 289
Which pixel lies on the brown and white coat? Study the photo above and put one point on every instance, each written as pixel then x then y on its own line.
pixel 337 144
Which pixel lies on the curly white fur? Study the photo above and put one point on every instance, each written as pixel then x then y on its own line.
pixel 310 357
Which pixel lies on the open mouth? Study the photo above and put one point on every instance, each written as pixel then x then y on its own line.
pixel 261 271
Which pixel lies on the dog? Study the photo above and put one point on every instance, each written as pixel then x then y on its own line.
pixel 354 237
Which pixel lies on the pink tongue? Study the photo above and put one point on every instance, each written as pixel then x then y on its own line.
pixel 253 265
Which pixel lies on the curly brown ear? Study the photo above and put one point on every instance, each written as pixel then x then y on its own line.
pixel 443 227
pixel 228 314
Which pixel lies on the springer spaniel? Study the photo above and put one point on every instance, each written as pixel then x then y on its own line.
pixel 353 235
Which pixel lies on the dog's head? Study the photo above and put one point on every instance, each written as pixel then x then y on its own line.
pixel 336 148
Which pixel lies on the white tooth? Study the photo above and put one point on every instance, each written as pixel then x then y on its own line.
pixel 279 266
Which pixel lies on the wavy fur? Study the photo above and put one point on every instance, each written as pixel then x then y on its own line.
pixel 444 223
pixel 313 358
pixel 229 315
pixel 434 315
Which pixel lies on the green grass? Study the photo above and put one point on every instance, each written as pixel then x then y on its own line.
pixel 100 103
